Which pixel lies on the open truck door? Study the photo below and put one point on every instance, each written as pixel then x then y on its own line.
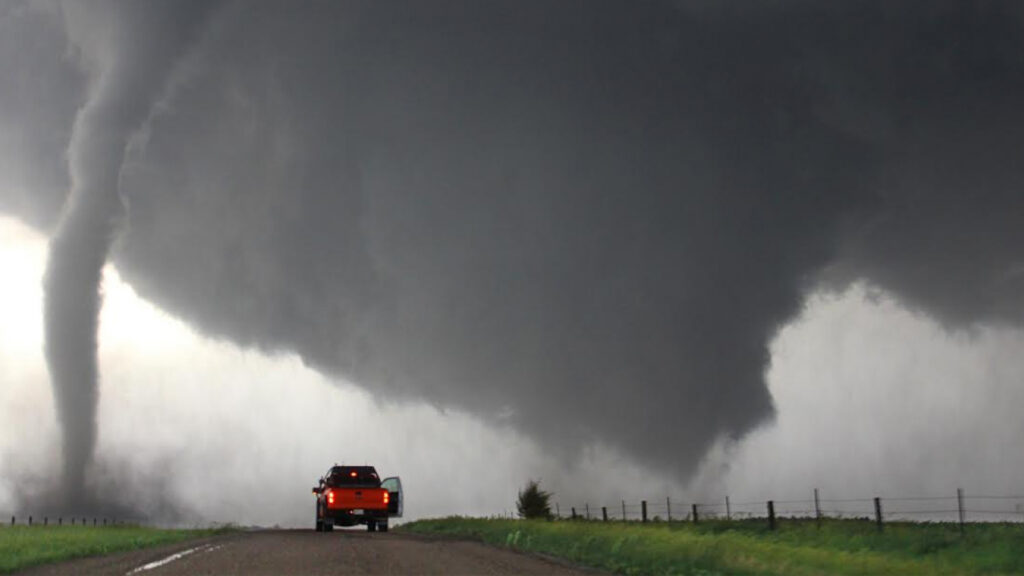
pixel 396 501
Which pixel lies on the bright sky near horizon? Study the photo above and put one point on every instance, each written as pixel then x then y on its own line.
pixel 871 399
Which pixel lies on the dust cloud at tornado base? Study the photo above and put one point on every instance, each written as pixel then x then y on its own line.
pixel 580 220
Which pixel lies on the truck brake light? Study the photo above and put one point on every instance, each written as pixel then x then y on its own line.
pixel 387 496
pixel 330 497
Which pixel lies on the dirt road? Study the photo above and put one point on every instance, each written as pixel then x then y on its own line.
pixel 309 552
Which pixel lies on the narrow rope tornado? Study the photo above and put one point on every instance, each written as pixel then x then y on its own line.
pixel 127 57
pixel 77 253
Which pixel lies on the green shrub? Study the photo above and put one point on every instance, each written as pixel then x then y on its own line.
pixel 534 503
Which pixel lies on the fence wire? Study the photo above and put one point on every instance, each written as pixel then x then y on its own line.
pixel 32 519
pixel 960 507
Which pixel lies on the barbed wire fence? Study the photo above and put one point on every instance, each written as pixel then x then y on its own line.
pixel 9 519
pixel 961 508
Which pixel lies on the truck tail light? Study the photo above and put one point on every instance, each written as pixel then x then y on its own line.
pixel 330 497
pixel 387 497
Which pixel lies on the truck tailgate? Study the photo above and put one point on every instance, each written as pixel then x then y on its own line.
pixel 355 498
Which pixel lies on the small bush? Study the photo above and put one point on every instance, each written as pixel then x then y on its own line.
pixel 534 503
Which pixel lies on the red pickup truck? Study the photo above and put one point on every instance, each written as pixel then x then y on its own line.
pixel 351 495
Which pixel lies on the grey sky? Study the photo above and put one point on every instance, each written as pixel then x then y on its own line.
pixel 582 220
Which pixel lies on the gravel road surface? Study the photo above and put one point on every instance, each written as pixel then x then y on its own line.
pixel 308 552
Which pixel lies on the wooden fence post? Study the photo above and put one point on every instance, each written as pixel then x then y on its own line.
pixel 587 506
pixel 878 512
pixel 29 520
pixel 668 506
pixel 817 508
pixel 695 517
pixel 558 513
pixel 604 513
pixel 728 510
pixel 960 507
pixel 771 515
pixel 623 510
pixel 573 512
pixel 643 510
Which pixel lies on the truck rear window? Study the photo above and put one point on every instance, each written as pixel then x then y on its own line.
pixel 353 476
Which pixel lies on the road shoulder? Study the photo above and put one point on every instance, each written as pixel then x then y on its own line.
pixel 124 562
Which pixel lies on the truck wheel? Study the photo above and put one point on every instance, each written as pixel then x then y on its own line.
pixel 371 526
pixel 383 527
pixel 328 527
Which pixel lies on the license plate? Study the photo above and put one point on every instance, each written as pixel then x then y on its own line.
pixel 359 511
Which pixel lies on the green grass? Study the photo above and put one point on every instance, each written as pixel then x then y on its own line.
pixel 748 547
pixel 24 546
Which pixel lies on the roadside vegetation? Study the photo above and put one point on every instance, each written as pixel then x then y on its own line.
pixel 25 546
pixel 749 547
pixel 534 503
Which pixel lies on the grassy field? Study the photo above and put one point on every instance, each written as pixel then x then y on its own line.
pixel 748 547
pixel 24 546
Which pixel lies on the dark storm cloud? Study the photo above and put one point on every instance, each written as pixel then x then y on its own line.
pixel 39 95
pixel 588 218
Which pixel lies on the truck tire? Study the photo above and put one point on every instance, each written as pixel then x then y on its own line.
pixel 371 526
pixel 319 524
pixel 382 527
pixel 328 527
